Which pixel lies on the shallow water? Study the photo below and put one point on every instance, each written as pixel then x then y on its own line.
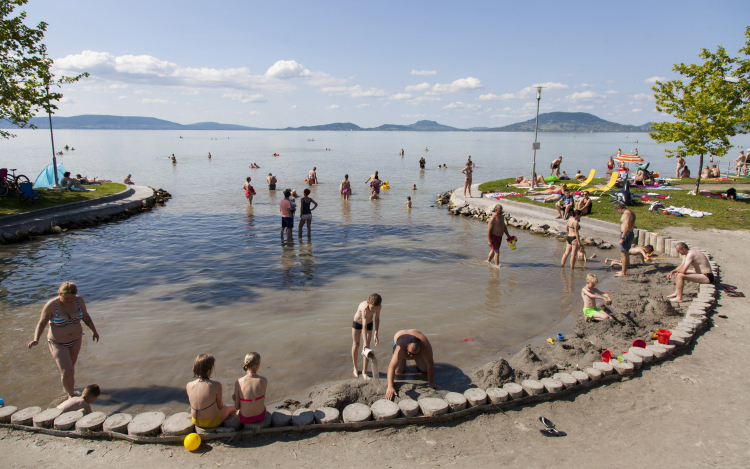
pixel 208 274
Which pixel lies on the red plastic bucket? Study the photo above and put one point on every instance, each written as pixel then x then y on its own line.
pixel 639 343
pixel 663 336
pixel 606 355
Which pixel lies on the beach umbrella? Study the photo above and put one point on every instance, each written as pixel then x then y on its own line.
pixel 630 158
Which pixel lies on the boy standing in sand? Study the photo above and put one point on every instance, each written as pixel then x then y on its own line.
pixel 590 293
pixel 495 229
pixel 367 316
pixel 83 403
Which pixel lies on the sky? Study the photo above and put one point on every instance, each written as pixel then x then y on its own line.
pixel 275 64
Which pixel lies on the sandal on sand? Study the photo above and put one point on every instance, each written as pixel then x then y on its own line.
pixel 547 423
pixel 552 432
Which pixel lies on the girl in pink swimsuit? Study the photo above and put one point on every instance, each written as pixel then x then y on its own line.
pixel 250 392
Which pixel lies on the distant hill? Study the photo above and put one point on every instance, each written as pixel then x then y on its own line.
pixel 571 122
pixel 123 123
pixel 419 126
pixel 348 126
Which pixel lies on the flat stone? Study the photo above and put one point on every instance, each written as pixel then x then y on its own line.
pixel 6 412
pixel 456 401
pixel 684 328
pixel 700 315
pixel 514 390
pixel 678 341
pixel 92 422
pixel 356 413
pixel 223 429
pixel 659 350
pixel 594 373
pixel 475 396
pixel 695 321
pixel 623 368
pixel 176 425
pixel 67 420
pixel 25 417
pixel 205 430
pixel 281 418
pixel 146 424
pixel 532 387
pixel 646 354
pixel 433 406
pixel 46 418
pixel 232 421
pixel 260 425
pixel 681 334
pixel 384 409
pixel 302 417
pixel 497 395
pixel 605 368
pixel 636 360
pixel 118 423
pixel 567 379
pixel 552 385
pixel 579 376
pixel 409 407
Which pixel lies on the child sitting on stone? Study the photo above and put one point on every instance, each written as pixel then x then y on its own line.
pixel 82 403
pixel 590 293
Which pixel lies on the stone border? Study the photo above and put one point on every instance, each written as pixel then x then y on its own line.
pixel 360 417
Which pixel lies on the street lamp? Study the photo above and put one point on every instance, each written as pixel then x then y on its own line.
pixel 52 137
pixel 536 145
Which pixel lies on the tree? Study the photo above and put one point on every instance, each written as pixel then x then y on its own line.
pixel 25 69
pixel 708 107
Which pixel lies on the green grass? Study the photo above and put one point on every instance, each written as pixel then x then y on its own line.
pixel 11 205
pixel 727 215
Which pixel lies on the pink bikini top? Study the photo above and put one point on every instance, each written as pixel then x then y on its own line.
pixel 253 400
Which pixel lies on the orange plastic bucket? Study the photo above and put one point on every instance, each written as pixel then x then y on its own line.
pixel 663 336
pixel 606 356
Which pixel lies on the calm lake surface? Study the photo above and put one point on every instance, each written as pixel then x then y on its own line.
pixel 208 274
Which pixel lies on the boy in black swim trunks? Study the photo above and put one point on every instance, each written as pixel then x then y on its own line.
pixel 367 316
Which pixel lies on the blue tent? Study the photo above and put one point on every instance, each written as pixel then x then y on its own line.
pixel 46 178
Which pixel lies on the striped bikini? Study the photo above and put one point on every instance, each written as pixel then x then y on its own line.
pixel 60 322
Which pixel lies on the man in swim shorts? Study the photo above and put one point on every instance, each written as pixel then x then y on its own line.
pixel 589 293
pixel 555 166
pixel 702 271
pixel 410 345
pixel 271 179
pixel 496 227
pixel 285 207
pixel 627 223
pixel 367 316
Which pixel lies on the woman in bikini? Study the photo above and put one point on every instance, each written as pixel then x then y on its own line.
pixel 249 191
pixel 573 240
pixel 207 408
pixel 250 392
pixel 64 315
pixel 306 214
pixel 467 181
pixel 346 187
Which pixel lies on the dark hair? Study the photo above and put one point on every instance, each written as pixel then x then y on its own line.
pixel 287 192
pixel 79 176
pixel 416 341
pixel 91 390
pixel 648 248
pixel 66 174
pixel 203 365
pixel 681 246
pixel 248 178
pixel 270 174
pixel 346 176
pixel 306 192
pixel 375 299
pixel 577 213
pixel 376 174
pixel 619 206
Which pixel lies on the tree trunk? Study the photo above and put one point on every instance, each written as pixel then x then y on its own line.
pixel 698 182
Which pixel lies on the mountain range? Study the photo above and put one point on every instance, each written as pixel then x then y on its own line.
pixel 548 122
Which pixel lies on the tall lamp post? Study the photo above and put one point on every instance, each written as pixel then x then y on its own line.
pixel 52 137
pixel 536 130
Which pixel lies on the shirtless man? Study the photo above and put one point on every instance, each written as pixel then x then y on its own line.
pixel 312 177
pixel 367 315
pixel 410 345
pixel 496 227
pixel 346 187
pixel 702 271
pixel 555 166
pixel 715 171
pixel 372 176
pixel 271 180
pixel 627 223
pixel 739 163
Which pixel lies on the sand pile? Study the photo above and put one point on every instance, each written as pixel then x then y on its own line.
pixel 366 392
pixel 493 374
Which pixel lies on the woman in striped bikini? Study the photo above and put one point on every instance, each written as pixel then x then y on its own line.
pixel 64 315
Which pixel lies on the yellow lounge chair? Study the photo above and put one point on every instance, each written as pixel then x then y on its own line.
pixel 607 188
pixel 585 183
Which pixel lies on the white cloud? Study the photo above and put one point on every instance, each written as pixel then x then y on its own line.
pixel 636 110
pixel 612 92
pixel 245 98
pixel 584 85
pixel 294 107
pixel 457 86
pixel 286 69
pixel 141 92
pixel 154 101
pixel 524 93
pixel 416 88
pixel 362 106
pixel 419 116
pixel 506 109
pixel 401 96
pixel 254 113
pixel 424 100
pixel 609 81
pixel 423 72
pixel 122 97
pixel 584 95
pixel 460 105
pixel 494 97
pixel 643 96
pixel 333 106
pixel 354 91
pixel 499 115
pixel 654 79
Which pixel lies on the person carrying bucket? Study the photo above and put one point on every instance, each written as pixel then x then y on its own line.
pixel 496 227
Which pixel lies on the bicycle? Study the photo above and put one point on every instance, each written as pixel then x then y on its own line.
pixel 13 180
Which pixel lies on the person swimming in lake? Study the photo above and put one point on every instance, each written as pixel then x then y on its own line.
pixel 207 409
pixel 422 163
pixel 590 294
pixel 345 188
pixel 365 327
pixel 250 392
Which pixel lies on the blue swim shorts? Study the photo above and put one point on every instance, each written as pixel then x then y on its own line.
pixel 627 241
pixel 287 222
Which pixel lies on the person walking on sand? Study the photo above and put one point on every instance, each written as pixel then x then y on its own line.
pixel 590 293
pixel 627 223
pixel 64 314
pixel 365 325
pixel 410 344
pixel 496 227
pixel 345 188
pixel 467 180
pixel 573 240
pixel 306 214
pixel 285 207
pixel 701 271
pixel 312 177
pixel 555 166
pixel 249 191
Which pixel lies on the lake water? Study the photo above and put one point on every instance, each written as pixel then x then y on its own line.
pixel 208 274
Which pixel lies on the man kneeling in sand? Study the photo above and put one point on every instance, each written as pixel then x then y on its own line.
pixel 83 403
pixel 367 315
pixel 702 271
pixel 410 345
pixel 590 293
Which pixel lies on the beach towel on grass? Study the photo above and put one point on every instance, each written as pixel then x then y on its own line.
pixel 500 195
pixel 688 212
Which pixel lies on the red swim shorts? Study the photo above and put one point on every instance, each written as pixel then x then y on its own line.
pixel 496 241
